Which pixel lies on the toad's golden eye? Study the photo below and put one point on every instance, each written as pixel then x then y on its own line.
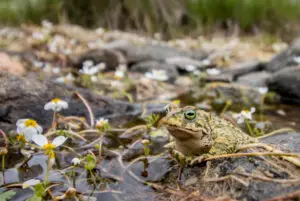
pixel 190 114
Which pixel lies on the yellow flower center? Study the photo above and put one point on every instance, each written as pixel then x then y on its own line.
pixel 49 146
pixel 21 138
pixel 56 100
pixel 176 102
pixel 30 123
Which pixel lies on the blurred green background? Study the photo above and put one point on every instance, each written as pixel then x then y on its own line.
pixel 173 18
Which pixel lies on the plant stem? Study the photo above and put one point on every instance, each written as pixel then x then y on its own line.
pixel 227 104
pixel 73 175
pixel 54 120
pixel 3 168
pixel 47 171
pixel 249 127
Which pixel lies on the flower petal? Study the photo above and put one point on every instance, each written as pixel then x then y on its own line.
pixel 49 106
pixel 31 182
pixel 59 140
pixel 20 122
pixel 39 140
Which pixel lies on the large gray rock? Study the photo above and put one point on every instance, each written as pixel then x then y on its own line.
pixel 255 79
pixel 25 98
pixel 286 58
pixel 136 53
pixel 287 83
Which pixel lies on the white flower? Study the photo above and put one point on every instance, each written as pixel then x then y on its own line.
pixel 75 161
pixel 89 68
pixel 101 122
pixel 101 65
pixel 38 36
pixel 119 74
pixel 263 90
pixel 66 79
pixel 206 62
pixel 297 59
pixel 190 68
pixel 47 24
pixel 56 70
pixel 56 105
pixel 100 31
pixel 88 63
pixel 245 114
pixel 213 71
pixel 38 64
pixel 31 182
pixel 27 137
pixel 28 127
pixel 160 75
pixel 42 141
pixel 94 78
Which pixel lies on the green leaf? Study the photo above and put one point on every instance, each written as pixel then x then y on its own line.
pixel 35 198
pixel 90 162
pixel 6 196
pixel 39 190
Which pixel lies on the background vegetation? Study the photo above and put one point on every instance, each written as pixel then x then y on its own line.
pixel 170 17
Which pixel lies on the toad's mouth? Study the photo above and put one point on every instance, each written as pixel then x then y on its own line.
pixel 181 133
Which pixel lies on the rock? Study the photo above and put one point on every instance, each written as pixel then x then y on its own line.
pixel 8 65
pixel 182 62
pixel 245 178
pixel 241 96
pixel 237 70
pixel 286 58
pixel 76 32
pixel 255 79
pixel 148 66
pixel 137 53
pixel 286 82
pixel 111 58
pixel 25 98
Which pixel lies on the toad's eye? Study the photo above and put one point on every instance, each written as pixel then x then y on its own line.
pixel 190 114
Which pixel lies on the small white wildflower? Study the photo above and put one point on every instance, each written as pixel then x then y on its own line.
pixel 206 62
pixel 38 64
pixel 42 141
pixel 119 74
pixel 190 68
pixel 281 112
pixel 56 70
pixel 101 65
pixel 94 78
pixel 101 122
pixel 76 161
pixel 67 51
pixel 88 63
pixel 38 36
pixel 160 75
pixel 263 90
pixel 197 72
pixel 100 31
pixel 297 59
pixel 28 127
pixel 65 79
pixel 278 47
pixel 31 182
pixel 56 105
pixel 47 24
pixel 213 71
pixel 245 114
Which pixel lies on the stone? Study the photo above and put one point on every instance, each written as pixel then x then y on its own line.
pixel 8 65
pixel 137 53
pixel 255 79
pixel 286 83
pixel 286 58
pixel 25 98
